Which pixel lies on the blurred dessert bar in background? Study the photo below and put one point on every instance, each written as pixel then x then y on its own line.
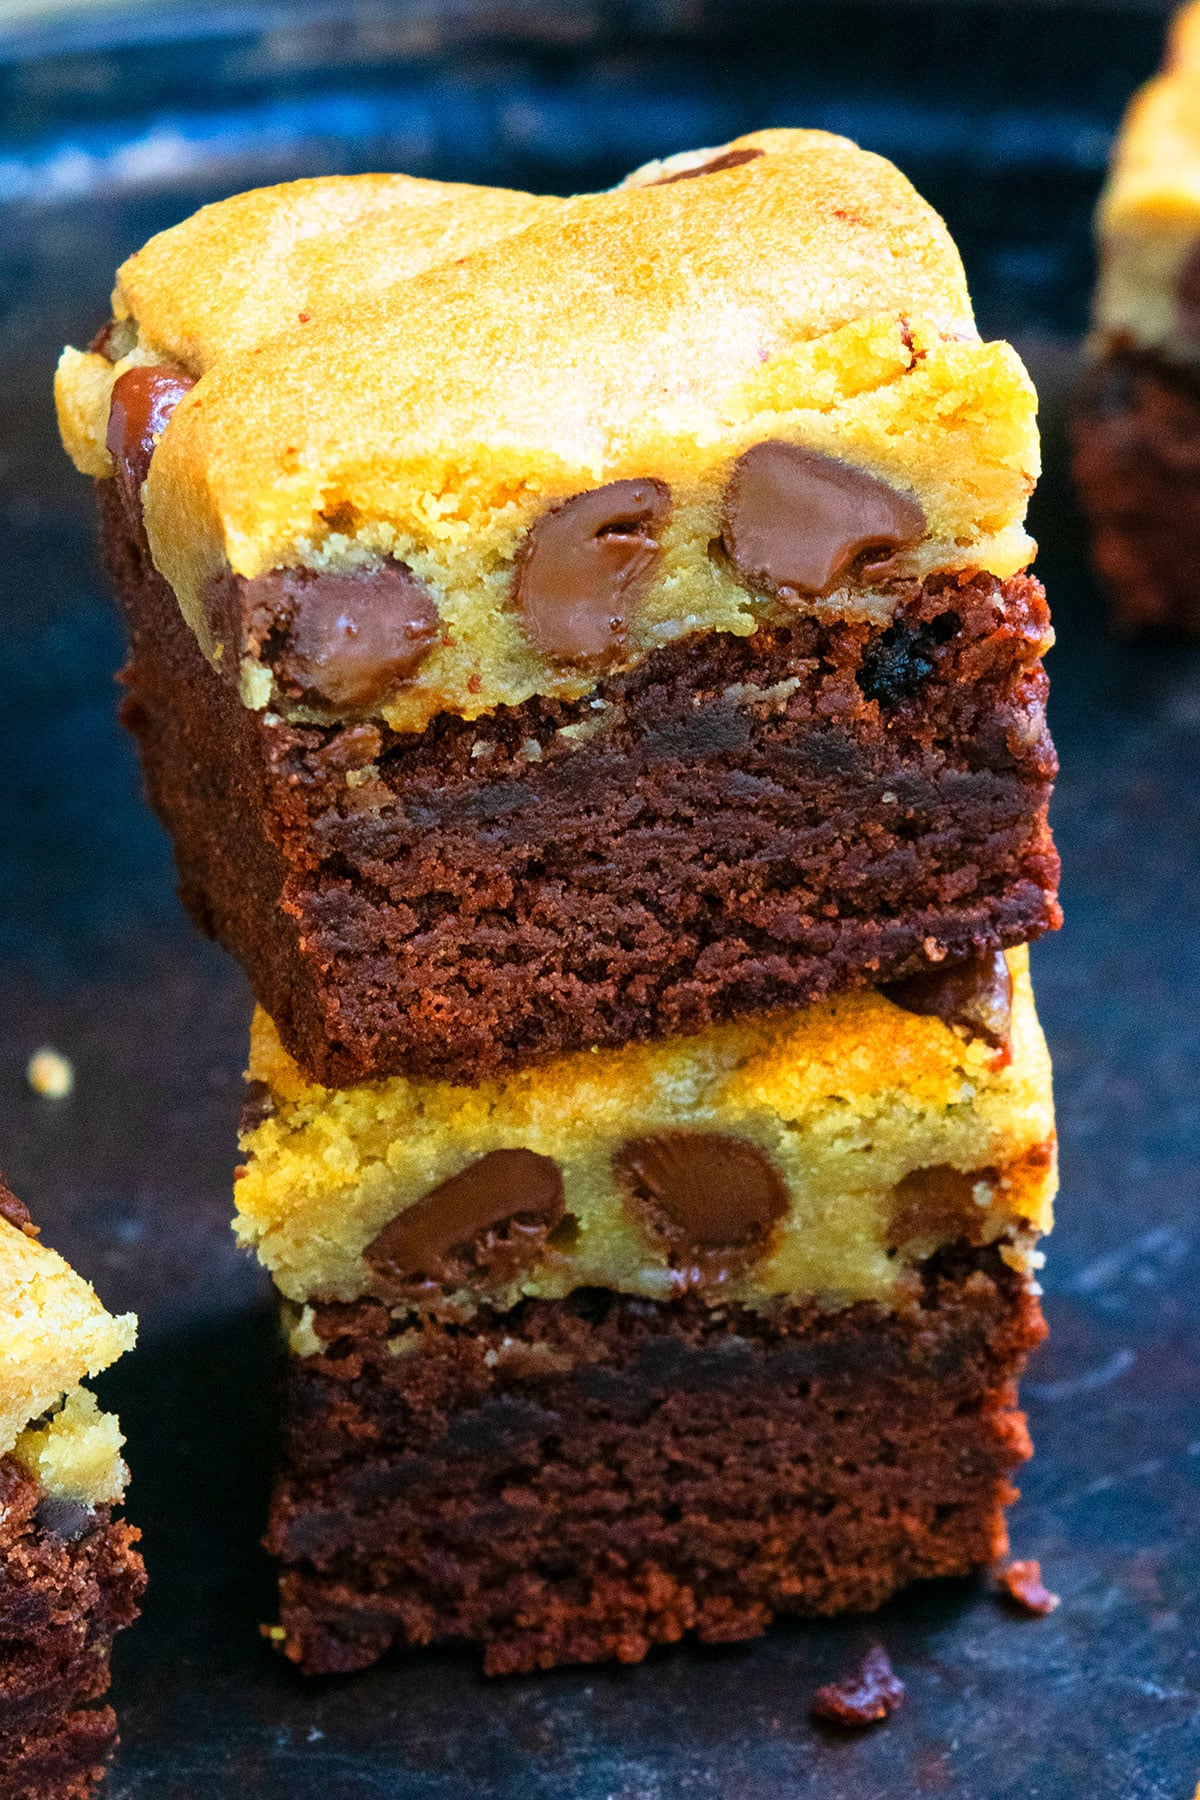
pixel 70 1575
pixel 1137 423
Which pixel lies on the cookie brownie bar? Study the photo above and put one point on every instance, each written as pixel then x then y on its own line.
pixel 1137 424
pixel 603 628
pixel 70 1575
pixel 668 1338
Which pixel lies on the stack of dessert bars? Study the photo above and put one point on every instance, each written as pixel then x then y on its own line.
pixel 583 653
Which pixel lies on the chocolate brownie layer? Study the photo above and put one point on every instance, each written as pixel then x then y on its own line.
pixel 738 824
pixel 1137 468
pixel 70 1578
pixel 586 1478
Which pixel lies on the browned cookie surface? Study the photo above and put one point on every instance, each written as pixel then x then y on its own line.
pixel 737 824
pixel 583 1479
pixel 70 1578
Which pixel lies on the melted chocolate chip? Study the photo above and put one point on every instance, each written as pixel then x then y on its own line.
pixel 16 1212
pixel 900 660
pixel 143 399
pixel 865 1697
pixel 66 1519
pixel 584 567
pixel 515 1192
pixel 258 1105
pixel 796 521
pixel 975 995
pixel 711 1199
pixel 731 159
pixel 344 640
pixel 938 1202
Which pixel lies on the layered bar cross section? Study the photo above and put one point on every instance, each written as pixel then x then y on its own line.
pixel 70 1573
pixel 646 1341
pixel 670 657
pixel 1137 422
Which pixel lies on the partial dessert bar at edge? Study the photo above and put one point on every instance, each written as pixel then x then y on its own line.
pixel 1137 421
pixel 670 657
pixel 675 1337
pixel 70 1573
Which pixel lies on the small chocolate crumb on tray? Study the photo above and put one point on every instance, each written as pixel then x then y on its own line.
pixel 872 1693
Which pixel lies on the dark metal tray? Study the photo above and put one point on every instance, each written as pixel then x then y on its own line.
pixel 111 128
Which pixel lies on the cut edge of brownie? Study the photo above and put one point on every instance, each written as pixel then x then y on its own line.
pixel 585 1479
pixel 1136 462
pixel 738 825
pixel 70 1579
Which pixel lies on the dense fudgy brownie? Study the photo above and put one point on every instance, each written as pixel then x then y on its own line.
pixel 70 1578
pixel 741 824
pixel 1137 468
pixel 586 1478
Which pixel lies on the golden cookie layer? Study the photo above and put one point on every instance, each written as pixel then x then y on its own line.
pixel 1148 219
pixel 655 332
pixel 891 1134
pixel 53 1332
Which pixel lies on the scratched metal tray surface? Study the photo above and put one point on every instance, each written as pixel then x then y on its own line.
pixel 112 125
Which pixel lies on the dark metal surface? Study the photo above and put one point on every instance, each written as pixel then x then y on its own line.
pixel 131 1175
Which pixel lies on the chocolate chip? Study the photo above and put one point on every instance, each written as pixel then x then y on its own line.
pixel 433 1238
pixel 711 1199
pixel 258 1105
pixel 66 1519
pixel 731 159
pixel 584 566
pixel 897 663
pixel 796 521
pixel 975 995
pixel 939 1202
pixel 16 1211
pixel 344 639
pixel 865 1697
pixel 143 399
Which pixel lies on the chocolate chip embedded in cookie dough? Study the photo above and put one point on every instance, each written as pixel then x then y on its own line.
pixel 730 159
pixel 713 1199
pixel 349 637
pixel 975 995
pixel 503 1188
pixel 143 399
pixel 584 567
pixel 940 1202
pixel 796 521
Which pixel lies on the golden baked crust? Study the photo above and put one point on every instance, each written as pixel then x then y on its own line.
pixel 846 1099
pixel 53 1331
pixel 235 274
pixel 657 331
pixel 1148 218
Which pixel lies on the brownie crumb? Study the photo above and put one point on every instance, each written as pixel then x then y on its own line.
pixel 872 1693
pixel 1021 1582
